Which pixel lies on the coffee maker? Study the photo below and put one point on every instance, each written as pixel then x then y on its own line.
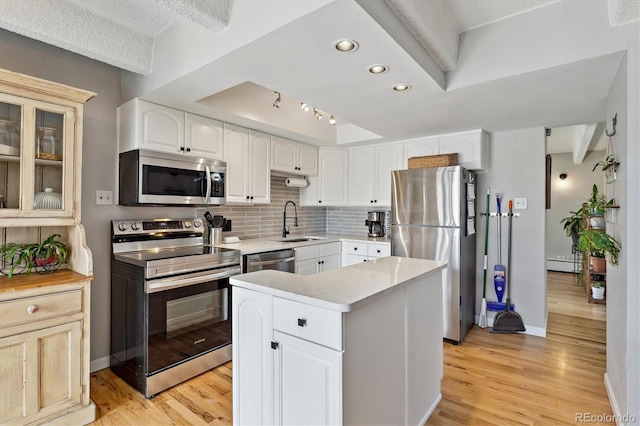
pixel 375 222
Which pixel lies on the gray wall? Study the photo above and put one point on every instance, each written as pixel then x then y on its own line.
pixel 568 196
pixel 518 170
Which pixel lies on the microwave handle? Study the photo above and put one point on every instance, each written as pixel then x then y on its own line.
pixel 207 195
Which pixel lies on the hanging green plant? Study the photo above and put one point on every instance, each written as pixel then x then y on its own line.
pixel 599 243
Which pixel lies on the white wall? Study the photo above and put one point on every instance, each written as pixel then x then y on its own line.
pixel 623 293
pixel 567 196
pixel 517 161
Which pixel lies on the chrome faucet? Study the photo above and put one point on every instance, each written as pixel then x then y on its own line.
pixel 285 231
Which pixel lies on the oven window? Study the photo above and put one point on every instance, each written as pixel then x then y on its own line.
pixel 158 180
pixel 186 322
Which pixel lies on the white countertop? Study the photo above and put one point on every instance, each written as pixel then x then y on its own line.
pixel 343 289
pixel 260 245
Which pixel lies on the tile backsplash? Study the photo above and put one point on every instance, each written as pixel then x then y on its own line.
pixel 265 220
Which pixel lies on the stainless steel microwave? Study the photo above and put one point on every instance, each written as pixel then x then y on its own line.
pixel 157 178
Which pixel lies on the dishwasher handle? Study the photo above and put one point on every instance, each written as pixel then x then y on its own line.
pixel 271 261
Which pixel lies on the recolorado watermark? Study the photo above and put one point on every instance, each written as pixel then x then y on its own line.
pixel 605 418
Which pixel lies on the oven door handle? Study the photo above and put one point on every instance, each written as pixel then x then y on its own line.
pixel 272 261
pixel 207 194
pixel 183 281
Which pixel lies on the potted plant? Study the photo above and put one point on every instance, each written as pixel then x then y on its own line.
pixel 606 163
pixel 572 225
pixel 595 208
pixel 597 291
pixel 45 257
pixel 594 240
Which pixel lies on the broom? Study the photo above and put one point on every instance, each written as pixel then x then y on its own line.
pixel 482 321
pixel 508 321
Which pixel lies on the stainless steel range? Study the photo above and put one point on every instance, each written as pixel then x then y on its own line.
pixel 170 302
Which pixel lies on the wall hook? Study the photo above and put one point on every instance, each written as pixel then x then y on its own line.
pixel 614 122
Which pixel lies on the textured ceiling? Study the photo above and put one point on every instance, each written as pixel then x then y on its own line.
pixel 118 32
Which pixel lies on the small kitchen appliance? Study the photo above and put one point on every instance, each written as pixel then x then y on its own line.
pixel 375 222
pixel 170 302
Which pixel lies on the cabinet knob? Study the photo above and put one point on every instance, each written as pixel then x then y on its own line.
pixel 32 309
pixel 182 148
pixel 371 201
pixel 375 201
pixel 365 260
pixel 274 345
pixel 378 251
pixel 319 201
pixel 355 249
pixel 247 197
pixel 252 197
pixel 302 322
pixel 188 149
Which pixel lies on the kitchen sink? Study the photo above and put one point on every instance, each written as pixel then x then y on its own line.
pixel 297 239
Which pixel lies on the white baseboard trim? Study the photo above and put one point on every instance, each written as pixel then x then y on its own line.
pixel 612 401
pixel 534 331
pixel 560 265
pixel 99 364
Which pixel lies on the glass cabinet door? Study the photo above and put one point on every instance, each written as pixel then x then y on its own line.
pixel 36 159
pixel 10 142
pixel 49 153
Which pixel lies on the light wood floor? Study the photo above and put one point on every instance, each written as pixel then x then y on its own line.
pixel 490 379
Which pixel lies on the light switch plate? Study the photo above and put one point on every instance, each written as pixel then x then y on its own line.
pixel 104 198
pixel 520 203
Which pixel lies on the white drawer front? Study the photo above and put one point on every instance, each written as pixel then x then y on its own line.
pixel 379 250
pixel 330 249
pixel 355 248
pixel 308 322
pixel 307 252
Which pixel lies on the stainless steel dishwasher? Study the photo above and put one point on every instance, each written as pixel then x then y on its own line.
pixel 281 260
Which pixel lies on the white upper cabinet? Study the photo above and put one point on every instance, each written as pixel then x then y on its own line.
pixel 203 137
pixel 293 158
pixel 247 156
pixel 472 148
pixel 331 187
pixel 145 125
pixel 370 174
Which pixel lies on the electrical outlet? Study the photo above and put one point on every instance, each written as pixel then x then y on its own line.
pixel 104 198
pixel 520 203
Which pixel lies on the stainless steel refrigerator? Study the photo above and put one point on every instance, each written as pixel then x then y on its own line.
pixel 433 217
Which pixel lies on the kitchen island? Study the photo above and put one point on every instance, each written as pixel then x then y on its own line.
pixel 355 345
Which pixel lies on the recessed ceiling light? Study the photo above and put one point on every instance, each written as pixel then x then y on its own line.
pixel 345 45
pixel 401 87
pixel 378 69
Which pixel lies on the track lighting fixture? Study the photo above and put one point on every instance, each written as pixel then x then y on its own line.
pixel 276 103
pixel 304 107
pixel 332 121
pixel 317 114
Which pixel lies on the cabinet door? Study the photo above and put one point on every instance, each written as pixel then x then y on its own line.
pixel 361 162
pixel 331 262
pixel 38 162
pixel 259 167
pixel 203 137
pixel 307 267
pixel 308 382
pixel 333 185
pixel 40 372
pixel 420 148
pixel 284 153
pixel 307 160
pixel 471 148
pixel 161 128
pixel 253 357
pixel 236 150
pixel 388 158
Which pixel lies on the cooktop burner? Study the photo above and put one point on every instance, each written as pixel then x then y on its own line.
pixel 172 253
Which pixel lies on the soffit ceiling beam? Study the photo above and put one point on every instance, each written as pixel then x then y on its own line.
pixel 583 136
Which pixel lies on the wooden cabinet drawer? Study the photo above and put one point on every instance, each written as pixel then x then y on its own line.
pixel 38 308
pixel 351 247
pixel 379 250
pixel 308 322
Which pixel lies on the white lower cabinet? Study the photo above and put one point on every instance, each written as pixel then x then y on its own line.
pixel 307 382
pixel 299 364
pixel 318 258
pixel 359 251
